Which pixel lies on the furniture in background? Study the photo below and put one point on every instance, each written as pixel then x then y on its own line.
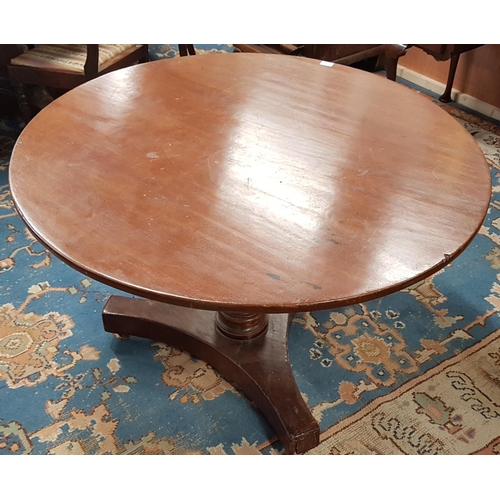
pixel 67 66
pixel 347 54
pixel 287 49
pixel 229 190
pixel 185 50
pixel 443 52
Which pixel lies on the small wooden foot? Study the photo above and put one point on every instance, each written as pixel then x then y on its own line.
pixel 121 337
pixel 258 367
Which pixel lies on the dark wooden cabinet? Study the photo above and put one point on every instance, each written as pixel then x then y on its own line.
pixel 347 54
pixel 443 52
pixel 339 52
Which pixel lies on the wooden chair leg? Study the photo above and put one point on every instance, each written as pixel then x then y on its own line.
pixel 185 49
pixel 446 97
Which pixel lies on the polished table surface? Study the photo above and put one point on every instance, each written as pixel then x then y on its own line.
pixel 243 181
pixel 249 182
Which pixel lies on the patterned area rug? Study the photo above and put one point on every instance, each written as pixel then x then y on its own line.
pixel 417 372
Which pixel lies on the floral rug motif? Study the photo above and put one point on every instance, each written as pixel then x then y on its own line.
pixel 416 372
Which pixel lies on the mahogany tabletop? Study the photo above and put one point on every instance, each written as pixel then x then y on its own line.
pixel 250 182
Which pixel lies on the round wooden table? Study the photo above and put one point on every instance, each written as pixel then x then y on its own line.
pixel 232 191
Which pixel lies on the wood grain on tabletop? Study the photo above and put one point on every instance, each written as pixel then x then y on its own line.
pixel 250 182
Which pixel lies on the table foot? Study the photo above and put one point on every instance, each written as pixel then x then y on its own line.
pixel 258 367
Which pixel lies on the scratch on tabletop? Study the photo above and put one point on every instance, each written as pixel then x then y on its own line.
pixel 316 287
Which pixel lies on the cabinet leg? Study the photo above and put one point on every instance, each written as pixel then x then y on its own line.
pixel 390 58
pixel 446 97
pixel 391 66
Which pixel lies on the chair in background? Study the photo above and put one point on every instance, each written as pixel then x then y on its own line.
pixel 185 50
pixel 64 67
